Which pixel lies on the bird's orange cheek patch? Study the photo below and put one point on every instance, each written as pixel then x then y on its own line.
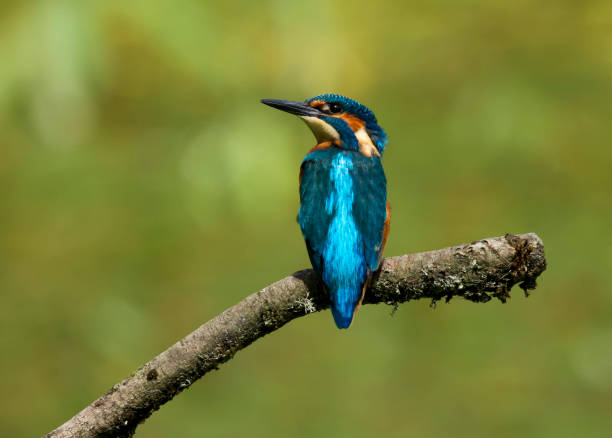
pixel 355 123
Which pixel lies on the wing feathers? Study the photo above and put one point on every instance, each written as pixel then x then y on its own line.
pixel 343 215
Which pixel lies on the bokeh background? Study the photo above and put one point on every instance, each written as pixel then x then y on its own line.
pixel 144 189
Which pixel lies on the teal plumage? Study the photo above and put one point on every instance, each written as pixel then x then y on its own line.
pixel 343 200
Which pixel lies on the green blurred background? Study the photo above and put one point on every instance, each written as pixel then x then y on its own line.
pixel 144 189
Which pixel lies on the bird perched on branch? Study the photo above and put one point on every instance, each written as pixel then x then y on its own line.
pixel 344 214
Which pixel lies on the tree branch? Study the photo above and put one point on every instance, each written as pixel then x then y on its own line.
pixel 477 272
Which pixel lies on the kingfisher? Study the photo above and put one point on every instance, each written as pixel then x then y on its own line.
pixel 344 214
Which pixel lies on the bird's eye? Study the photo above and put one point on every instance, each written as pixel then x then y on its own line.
pixel 335 107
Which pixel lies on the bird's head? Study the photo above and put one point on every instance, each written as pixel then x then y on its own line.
pixel 339 120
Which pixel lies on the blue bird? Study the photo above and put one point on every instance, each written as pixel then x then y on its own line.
pixel 344 214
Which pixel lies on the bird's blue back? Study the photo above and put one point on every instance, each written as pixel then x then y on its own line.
pixel 342 213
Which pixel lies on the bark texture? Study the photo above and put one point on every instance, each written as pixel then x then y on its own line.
pixel 477 272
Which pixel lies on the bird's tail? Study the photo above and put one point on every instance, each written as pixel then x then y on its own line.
pixel 343 312
pixel 346 303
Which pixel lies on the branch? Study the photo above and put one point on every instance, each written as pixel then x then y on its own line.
pixel 477 272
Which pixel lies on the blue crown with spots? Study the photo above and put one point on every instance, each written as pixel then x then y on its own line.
pixel 350 106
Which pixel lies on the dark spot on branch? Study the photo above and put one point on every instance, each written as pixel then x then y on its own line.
pixel 528 262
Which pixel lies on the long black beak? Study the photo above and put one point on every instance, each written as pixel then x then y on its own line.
pixel 297 108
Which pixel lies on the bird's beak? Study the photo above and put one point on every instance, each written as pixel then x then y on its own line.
pixel 296 108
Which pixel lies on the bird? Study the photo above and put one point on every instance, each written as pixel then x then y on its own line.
pixel 344 214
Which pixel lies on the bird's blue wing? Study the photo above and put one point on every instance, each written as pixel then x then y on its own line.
pixel 314 220
pixel 370 205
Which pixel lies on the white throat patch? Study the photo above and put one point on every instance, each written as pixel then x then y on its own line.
pixel 322 131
